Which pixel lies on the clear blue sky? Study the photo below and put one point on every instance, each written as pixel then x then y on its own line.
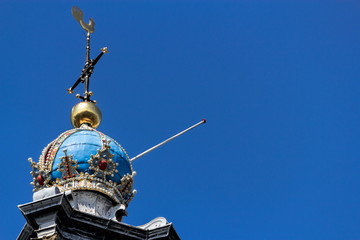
pixel 278 82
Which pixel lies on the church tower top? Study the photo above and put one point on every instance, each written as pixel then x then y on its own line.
pixel 85 172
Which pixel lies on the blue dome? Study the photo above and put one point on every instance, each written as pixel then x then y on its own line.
pixel 81 144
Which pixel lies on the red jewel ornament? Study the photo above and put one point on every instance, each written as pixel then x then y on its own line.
pixel 40 179
pixel 103 164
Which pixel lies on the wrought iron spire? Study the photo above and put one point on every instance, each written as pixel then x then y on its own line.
pixel 89 63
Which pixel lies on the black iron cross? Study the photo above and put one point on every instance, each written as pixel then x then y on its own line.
pixel 89 63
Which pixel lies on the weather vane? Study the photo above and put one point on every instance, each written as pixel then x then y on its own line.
pixel 89 63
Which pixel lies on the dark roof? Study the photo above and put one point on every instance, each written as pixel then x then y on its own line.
pixel 55 216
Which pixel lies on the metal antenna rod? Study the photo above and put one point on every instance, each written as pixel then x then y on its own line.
pixel 167 140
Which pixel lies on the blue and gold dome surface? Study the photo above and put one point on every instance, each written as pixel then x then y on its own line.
pixel 81 144
pixel 85 159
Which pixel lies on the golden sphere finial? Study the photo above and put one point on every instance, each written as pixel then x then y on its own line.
pixel 85 112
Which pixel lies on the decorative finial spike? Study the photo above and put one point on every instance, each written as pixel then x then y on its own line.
pixel 89 63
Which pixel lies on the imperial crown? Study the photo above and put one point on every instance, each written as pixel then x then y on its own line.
pixel 85 159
